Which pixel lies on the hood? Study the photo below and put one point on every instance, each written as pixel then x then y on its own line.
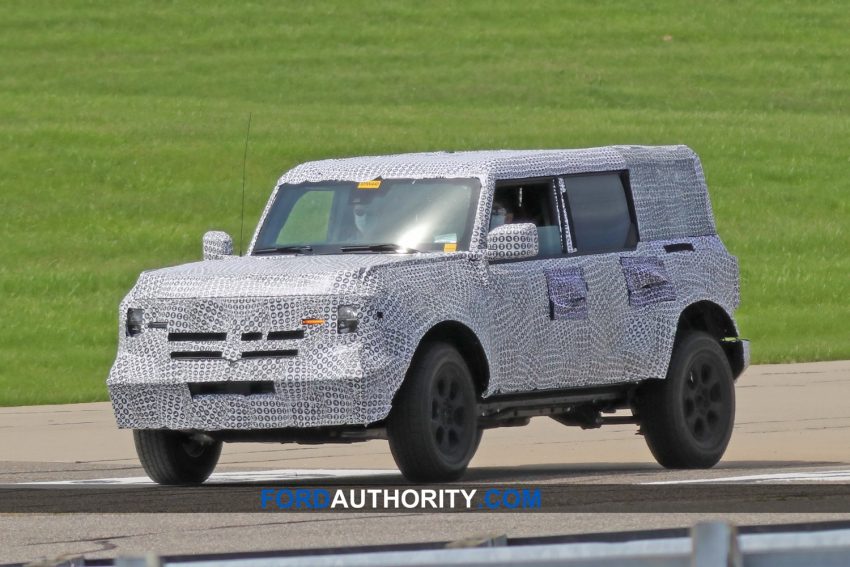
pixel 265 276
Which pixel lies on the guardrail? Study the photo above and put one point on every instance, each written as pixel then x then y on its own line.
pixel 711 544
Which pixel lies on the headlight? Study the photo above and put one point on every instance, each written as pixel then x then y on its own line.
pixel 346 319
pixel 134 321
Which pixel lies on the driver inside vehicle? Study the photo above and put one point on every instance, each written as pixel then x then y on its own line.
pixel 361 219
pixel 360 226
pixel 500 215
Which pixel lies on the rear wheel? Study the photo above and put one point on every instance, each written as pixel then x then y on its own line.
pixel 174 457
pixel 433 426
pixel 687 418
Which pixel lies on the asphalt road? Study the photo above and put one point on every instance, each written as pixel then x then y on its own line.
pixel 793 426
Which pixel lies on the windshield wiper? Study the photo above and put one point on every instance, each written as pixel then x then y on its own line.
pixel 379 248
pixel 297 249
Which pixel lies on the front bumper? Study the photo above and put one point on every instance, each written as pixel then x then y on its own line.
pixel 145 396
pixel 295 403
pixel 306 376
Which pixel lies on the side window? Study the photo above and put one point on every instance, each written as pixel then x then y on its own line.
pixel 531 201
pixel 600 213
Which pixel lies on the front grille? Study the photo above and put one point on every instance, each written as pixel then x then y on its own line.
pixel 250 336
pixel 198 337
pixel 270 353
pixel 196 355
pixel 285 335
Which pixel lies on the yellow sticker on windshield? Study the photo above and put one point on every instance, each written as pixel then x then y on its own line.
pixel 450 247
pixel 369 184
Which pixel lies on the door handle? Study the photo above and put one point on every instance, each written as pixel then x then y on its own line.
pixel 679 247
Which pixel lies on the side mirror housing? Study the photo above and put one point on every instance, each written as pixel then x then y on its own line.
pixel 217 245
pixel 512 241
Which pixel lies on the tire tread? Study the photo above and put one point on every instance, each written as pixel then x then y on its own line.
pixel 407 422
pixel 166 463
pixel 656 405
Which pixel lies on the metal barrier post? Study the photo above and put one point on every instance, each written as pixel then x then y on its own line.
pixel 715 544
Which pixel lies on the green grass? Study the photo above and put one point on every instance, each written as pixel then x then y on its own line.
pixel 122 129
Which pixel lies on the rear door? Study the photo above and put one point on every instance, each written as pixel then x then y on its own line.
pixel 600 228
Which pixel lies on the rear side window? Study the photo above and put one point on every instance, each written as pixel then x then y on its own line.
pixel 600 212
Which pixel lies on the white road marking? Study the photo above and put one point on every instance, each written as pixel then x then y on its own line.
pixel 233 477
pixel 319 474
pixel 819 476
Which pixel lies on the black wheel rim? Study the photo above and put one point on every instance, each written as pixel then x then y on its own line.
pixel 705 402
pixel 450 418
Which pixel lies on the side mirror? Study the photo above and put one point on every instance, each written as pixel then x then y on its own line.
pixel 217 245
pixel 512 241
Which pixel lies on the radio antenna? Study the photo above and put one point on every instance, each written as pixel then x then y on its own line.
pixel 244 169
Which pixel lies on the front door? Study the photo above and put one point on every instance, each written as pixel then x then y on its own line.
pixel 521 292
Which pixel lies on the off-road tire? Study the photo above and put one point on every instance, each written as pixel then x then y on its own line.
pixel 173 457
pixel 433 426
pixel 687 419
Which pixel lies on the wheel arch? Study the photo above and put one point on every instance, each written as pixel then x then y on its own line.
pixel 713 319
pixel 468 345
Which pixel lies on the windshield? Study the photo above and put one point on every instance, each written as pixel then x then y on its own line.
pixel 390 215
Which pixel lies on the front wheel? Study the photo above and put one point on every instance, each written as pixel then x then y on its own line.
pixel 433 426
pixel 173 457
pixel 687 418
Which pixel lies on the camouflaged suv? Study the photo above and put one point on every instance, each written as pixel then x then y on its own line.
pixel 423 298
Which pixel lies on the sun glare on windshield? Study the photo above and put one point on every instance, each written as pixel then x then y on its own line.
pixel 427 215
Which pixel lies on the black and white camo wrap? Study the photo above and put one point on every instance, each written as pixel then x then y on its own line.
pixel 536 330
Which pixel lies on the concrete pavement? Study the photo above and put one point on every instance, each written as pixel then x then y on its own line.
pixel 794 412
pixel 790 418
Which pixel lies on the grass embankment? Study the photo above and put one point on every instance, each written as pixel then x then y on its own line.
pixel 122 130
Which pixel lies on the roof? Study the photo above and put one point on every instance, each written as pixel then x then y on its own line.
pixel 489 163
